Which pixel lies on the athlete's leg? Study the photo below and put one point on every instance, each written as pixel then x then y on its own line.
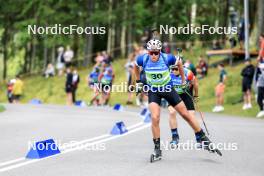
pixel 221 99
pixel 173 126
pixel 174 100
pixel 260 98
pixel 172 117
pixel 69 98
pixel 103 98
pixel 192 112
pixel 155 117
pixel 192 121
pixel 94 98
pixel 154 108
pixel 217 100
pixel 245 98
pixel 249 96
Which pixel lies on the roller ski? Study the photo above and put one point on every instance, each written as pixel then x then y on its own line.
pixel 206 144
pixel 156 155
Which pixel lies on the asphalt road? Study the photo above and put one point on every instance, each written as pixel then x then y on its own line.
pixel 243 139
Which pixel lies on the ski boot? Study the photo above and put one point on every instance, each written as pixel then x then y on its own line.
pixel 206 144
pixel 174 142
pixel 156 155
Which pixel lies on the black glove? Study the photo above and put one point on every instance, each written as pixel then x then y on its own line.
pixel 139 86
pixel 185 85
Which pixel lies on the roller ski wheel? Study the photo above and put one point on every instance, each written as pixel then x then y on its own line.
pixel 209 146
pixel 216 151
pixel 156 156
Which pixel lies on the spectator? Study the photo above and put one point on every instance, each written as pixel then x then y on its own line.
pixel 60 61
pixel 261 50
pixel 145 38
pixel 166 47
pixel 247 74
pixel 68 56
pixel 131 83
pixel 106 56
pixel 10 86
pixel 98 59
pixel 142 98
pixel 17 90
pixel 75 82
pixel 201 68
pixel 260 86
pixel 50 71
pixel 216 45
pixel 189 65
pixel 106 79
pixel 130 61
pixel 68 86
pixel 92 81
pixel 241 32
pixel 220 89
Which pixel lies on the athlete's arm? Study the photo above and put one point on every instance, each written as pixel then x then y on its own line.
pixel 181 71
pixel 137 72
pixel 100 77
pixel 138 63
pixel 195 86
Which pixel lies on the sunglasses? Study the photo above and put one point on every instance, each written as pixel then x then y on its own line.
pixel 154 52
pixel 174 69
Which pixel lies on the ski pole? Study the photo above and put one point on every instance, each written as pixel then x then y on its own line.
pixel 198 110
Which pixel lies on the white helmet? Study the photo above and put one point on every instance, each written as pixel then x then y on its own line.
pixel 154 44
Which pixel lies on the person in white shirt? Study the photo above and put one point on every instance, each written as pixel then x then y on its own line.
pixel 60 61
pixel 68 56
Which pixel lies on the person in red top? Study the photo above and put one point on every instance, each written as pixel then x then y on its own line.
pixel 261 50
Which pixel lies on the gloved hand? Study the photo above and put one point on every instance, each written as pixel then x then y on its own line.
pixel 184 85
pixel 139 86
pixel 195 99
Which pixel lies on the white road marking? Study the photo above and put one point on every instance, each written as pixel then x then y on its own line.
pixel 85 141
pixel 12 161
pixel 106 136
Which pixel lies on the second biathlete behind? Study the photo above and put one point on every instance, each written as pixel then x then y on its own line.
pixel 186 96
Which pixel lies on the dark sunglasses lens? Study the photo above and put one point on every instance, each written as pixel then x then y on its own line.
pixel 155 53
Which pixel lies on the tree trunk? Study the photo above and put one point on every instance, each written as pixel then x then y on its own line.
pixel 225 19
pixel 33 56
pixel 130 30
pixel 76 48
pixel 5 52
pixel 89 38
pixel 260 10
pixel 109 36
pixel 26 56
pixel 113 35
pixel 45 57
pixel 53 55
pixel 123 31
